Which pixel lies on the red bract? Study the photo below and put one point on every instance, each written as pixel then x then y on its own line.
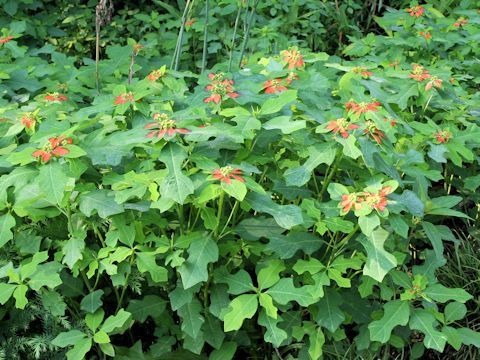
pixel 435 82
pixel 55 147
pixel 361 108
pixel 350 201
pixel 362 71
pixel 137 48
pixel 374 132
pixel 394 64
pixel 29 119
pixel 393 122
pixel 443 136
pixel 219 88
pixel 190 22
pixel 165 126
pixel 419 73
pixel 341 126
pixel 293 58
pixel 227 173
pixel 416 11
pixel 272 86
pixel 290 77
pixel 55 97
pixel 123 98
pixel 5 40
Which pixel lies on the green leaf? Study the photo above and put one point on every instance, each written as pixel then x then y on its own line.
pixel 435 238
pixel 238 283
pixel 286 216
pixel 7 222
pixel 200 253
pixel 103 201
pixel 101 337
pixel 469 337
pixel 395 313
pixel 93 321
pixel 269 275
pixel 73 251
pixel 404 93
pixel 176 185
pixel 284 291
pixel 311 265
pixel 349 148
pixel 379 262
pixel 266 302
pixel 149 305
pixel 68 338
pixel 44 278
pixel 274 334
pixel 19 294
pixel 368 223
pixel 53 182
pixel 424 321
pixel 276 104
pixel 146 263
pixel 226 351
pixel 116 322
pixel 329 314
pixel 454 311
pixel 92 301
pixel 241 308
pixel 192 320
pixel 236 189
pixel 287 246
pixel 284 124
pixel 316 340
pixel 80 349
pixel 442 294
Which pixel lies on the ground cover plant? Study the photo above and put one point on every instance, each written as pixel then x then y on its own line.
pixel 299 206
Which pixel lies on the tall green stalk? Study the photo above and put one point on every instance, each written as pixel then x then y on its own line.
pixel 205 37
pixel 234 37
pixel 178 47
pixel 247 32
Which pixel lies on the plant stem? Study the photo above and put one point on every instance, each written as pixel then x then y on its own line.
pixel 234 38
pixel 205 37
pixel 124 289
pixel 247 32
pixel 219 213
pixel 178 49
pixel 332 172
pixel 344 242
pixel 234 209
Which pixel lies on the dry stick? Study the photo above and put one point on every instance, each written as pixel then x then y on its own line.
pixel 103 15
pixel 234 38
pixel 205 37
pixel 178 49
pixel 247 33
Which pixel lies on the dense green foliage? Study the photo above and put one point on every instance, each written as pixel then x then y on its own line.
pixel 301 206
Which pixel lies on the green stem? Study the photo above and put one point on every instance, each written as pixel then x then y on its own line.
pixel 331 174
pixel 180 217
pixel 124 289
pixel 178 50
pixel 219 213
pixel 234 37
pixel 234 209
pixel 205 37
pixel 344 242
pixel 247 32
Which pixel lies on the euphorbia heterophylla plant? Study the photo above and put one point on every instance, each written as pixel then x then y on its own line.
pixel 298 207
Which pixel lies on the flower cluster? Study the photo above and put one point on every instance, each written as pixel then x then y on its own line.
pixel 419 73
pixel 6 39
pixel 460 22
pixel 55 97
pixel 362 71
pixel 392 122
pixel 362 107
pixel 372 130
pixel 293 58
pixel 123 98
pixel 443 136
pixel 366 200
pixel 416 11
pixel 165 126
pixel 29 119
pixel 55 147
pixel 156 74
pixel 227 173
pixel 425 34
pixel 219 87
pixel 341 126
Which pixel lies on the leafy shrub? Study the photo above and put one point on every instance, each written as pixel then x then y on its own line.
pixel 299 206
